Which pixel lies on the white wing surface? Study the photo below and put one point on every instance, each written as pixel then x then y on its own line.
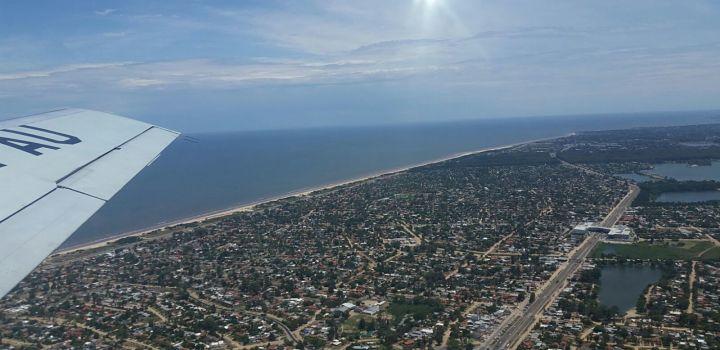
pixel 56 170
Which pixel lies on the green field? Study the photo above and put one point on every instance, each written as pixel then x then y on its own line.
pixel 671 250
pixel 419 309
pixel 351 324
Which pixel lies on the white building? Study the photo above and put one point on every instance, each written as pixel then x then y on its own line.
pixel 616 233
pixel 620 233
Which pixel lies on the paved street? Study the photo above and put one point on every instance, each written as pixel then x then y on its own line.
pixel 519 323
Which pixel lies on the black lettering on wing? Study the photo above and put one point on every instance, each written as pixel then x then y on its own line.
pixel 66 139
pixel 25 146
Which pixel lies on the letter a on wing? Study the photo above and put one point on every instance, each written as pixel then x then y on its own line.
pixel 56 170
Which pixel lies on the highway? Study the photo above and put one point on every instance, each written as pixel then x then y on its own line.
pixel 617 212
pixel 521 321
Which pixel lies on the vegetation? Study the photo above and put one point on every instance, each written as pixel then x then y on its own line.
pixel 590 276
pixel 128 240
pixel 654 154
pixel 641 305
pixel 359 322
pixel 498 158
pixel 649 191
pixel 418 308
pixel 649 145
pixel 588 305
pixel 668 250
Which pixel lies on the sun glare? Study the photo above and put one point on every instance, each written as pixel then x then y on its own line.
pixel 436 17
pixel 429 3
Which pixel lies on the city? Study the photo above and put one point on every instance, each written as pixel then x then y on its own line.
pixel 440 256
pixel 360 175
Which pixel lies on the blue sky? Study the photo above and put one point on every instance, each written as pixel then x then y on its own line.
pixel 221 65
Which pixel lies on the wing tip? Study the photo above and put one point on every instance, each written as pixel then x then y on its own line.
pixel 65 111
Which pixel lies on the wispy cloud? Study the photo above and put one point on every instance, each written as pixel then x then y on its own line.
pixel 105 12
pixel 442 59
pixel 517 51
pixel 46 73
pixel 216 74
pixel 139 82
pixel 115 34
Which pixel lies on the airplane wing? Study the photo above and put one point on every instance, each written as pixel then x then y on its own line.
pixel 56 170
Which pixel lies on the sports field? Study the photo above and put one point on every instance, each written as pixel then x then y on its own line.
pixel 670 250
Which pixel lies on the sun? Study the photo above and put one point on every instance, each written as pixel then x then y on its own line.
pixel 428 3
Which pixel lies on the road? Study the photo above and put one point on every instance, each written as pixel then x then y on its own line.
pixel 519 323
pixel 617 212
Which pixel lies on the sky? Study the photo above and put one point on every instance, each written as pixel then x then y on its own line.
pixel 263 64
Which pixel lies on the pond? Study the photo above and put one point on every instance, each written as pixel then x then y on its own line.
pixel 688 196
pixel 622 285
pixel 687 172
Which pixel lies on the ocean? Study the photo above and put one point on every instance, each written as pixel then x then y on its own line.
pixel 215 171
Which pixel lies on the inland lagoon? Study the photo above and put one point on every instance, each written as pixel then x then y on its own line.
pixel 688 172
pixel 622 285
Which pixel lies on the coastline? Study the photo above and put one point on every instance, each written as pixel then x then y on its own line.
pixel 297 193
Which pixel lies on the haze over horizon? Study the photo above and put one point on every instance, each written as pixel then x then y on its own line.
pixel 219 65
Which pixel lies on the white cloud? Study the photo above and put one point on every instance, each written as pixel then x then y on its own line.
pixel 326 27
pixel 137 82
pixel 449 62
pixel 57 70
pixel 468 47
pixel 105 12
pixel 115 34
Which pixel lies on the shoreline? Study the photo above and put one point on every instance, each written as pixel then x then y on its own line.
pixel 214 214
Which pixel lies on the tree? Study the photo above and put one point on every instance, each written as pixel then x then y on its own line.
pixel 640 305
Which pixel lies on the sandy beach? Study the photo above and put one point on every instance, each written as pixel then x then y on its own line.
pixel 298 193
